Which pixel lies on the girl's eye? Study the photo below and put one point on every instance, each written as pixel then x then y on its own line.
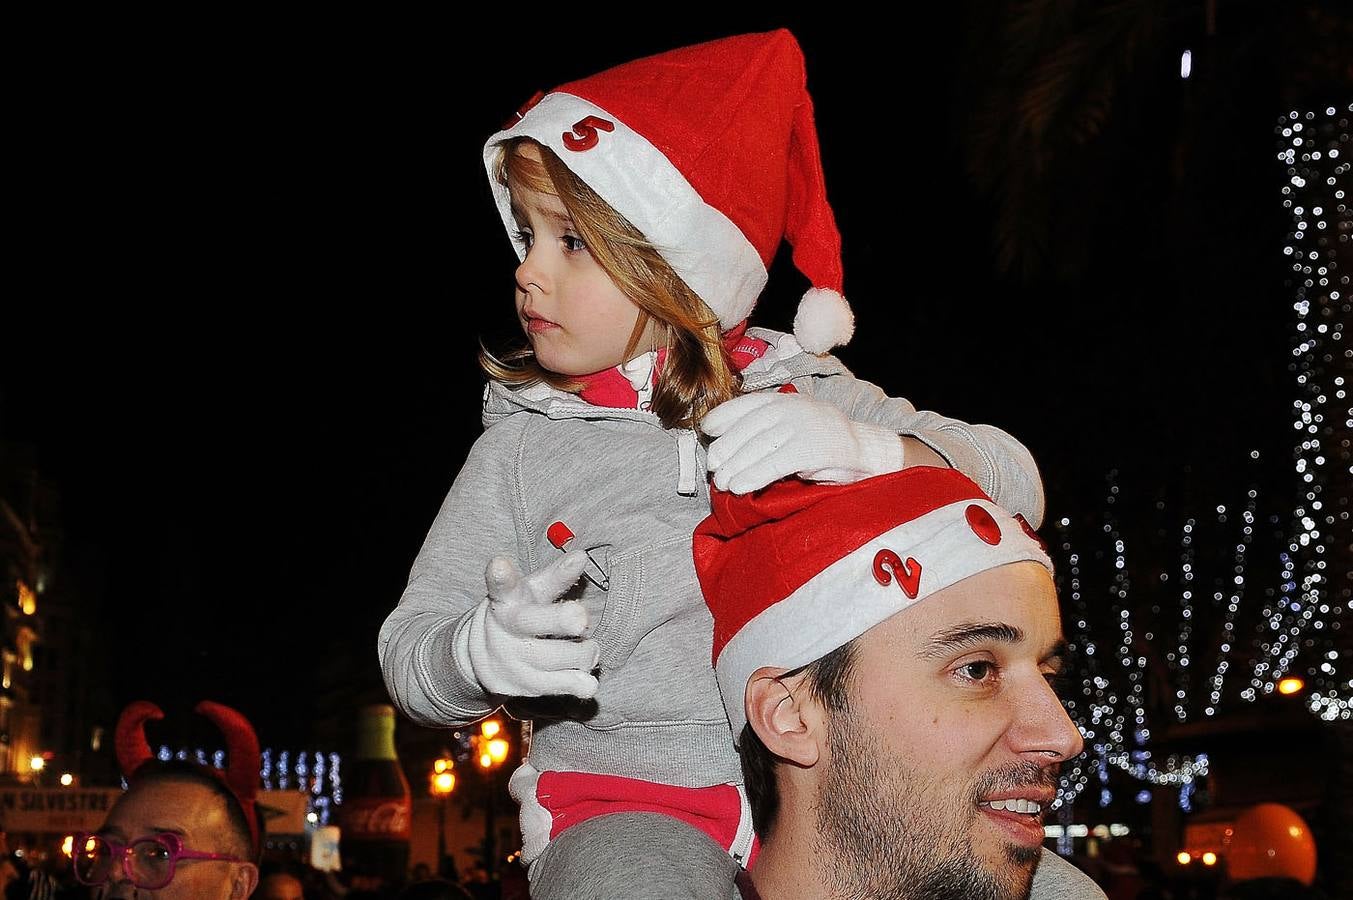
pixel 978 670
pixel 573 243
pixel 523 236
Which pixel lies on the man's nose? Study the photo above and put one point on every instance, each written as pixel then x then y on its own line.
pixel 1042 729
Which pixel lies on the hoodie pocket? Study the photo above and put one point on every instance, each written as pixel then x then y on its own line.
pixel 649 586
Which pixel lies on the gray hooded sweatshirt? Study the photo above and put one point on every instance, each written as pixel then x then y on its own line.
pixel 632 492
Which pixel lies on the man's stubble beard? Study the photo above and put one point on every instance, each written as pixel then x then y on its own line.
pixel 884 833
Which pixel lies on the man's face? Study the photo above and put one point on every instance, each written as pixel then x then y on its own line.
pixel 200 820
pixel 951 718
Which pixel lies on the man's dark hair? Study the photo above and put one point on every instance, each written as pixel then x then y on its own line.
pixel 240 841
pixel 828 681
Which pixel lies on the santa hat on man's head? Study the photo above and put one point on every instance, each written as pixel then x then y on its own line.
pixel 797 570
pixel 711 152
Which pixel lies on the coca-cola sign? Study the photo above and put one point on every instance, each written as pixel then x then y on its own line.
pixel 376 818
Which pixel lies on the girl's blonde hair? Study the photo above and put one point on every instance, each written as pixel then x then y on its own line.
pixel 697 374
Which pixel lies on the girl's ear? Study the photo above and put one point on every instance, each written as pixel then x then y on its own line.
pixel 785 716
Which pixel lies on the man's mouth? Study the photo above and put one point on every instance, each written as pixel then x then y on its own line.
pixel 1014 804
pixel 1019 818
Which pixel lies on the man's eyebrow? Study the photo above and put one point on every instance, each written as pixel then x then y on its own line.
pixel 168 829
pixel 970 634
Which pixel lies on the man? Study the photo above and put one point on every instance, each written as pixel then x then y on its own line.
pixel 181 830
pixel 885 651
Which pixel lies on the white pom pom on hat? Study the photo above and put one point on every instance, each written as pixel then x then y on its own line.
pixel 739 169
pixel 824 320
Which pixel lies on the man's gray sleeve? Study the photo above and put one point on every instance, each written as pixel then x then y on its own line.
pixel 1057 879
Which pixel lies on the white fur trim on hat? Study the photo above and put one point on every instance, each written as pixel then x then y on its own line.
pixel 708 251
pixel 824 320
pixel 845 600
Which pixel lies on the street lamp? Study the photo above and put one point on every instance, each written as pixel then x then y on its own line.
pixel 1291 685
pixel 441 784
pixel 493 750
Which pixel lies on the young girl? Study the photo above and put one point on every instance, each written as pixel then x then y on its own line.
pixel 645 203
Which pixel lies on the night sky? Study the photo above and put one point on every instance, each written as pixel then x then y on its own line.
pixel 254 271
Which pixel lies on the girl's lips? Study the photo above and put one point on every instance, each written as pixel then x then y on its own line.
pixel 536 326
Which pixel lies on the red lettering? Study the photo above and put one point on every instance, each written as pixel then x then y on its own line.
pixel 888 565
pixel 376 818
pixel 584 136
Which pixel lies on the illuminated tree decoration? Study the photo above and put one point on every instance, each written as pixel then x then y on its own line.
pixel 1296 627
pixel 1314 149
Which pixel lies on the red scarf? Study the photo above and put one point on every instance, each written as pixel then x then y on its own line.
pixel 612 388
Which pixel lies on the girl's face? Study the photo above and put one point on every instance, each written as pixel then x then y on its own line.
pixel 577 320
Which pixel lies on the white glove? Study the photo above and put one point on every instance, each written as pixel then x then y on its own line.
pixel 765 436
pixel 520 642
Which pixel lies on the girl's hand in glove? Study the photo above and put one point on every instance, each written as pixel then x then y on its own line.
pixel 765 436
pixel 520 641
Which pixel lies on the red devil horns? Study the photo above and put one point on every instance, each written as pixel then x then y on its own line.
pixel 241 774
pixel 130 739
pixel 242 754
pixel 243 758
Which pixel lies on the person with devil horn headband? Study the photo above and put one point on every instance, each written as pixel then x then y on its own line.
pixel 181 829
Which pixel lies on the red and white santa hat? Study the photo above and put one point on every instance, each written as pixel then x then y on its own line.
pixel 711 152
pixel 796 570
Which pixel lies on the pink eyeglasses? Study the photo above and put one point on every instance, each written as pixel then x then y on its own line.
pixel 148 862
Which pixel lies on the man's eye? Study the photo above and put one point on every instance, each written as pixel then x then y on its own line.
pixel 980 670
pixel 573 243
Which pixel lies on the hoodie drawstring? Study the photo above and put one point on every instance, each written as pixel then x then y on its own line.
pixel 688 464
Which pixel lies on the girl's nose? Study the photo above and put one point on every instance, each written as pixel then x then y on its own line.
pixel 532 272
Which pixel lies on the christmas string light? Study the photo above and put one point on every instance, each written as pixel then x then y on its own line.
pixel 319 778
pixel 1237 595
pixel 1074 780
pixel 1134 664
pixel 1314 148
pixel 1179 660
pixel 335 782
pixel 1098 712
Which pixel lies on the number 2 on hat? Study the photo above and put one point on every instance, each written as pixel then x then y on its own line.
pixel 584 136
pixel 888 565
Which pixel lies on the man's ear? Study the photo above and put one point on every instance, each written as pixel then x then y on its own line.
pixel 244 881
pixel 785 715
